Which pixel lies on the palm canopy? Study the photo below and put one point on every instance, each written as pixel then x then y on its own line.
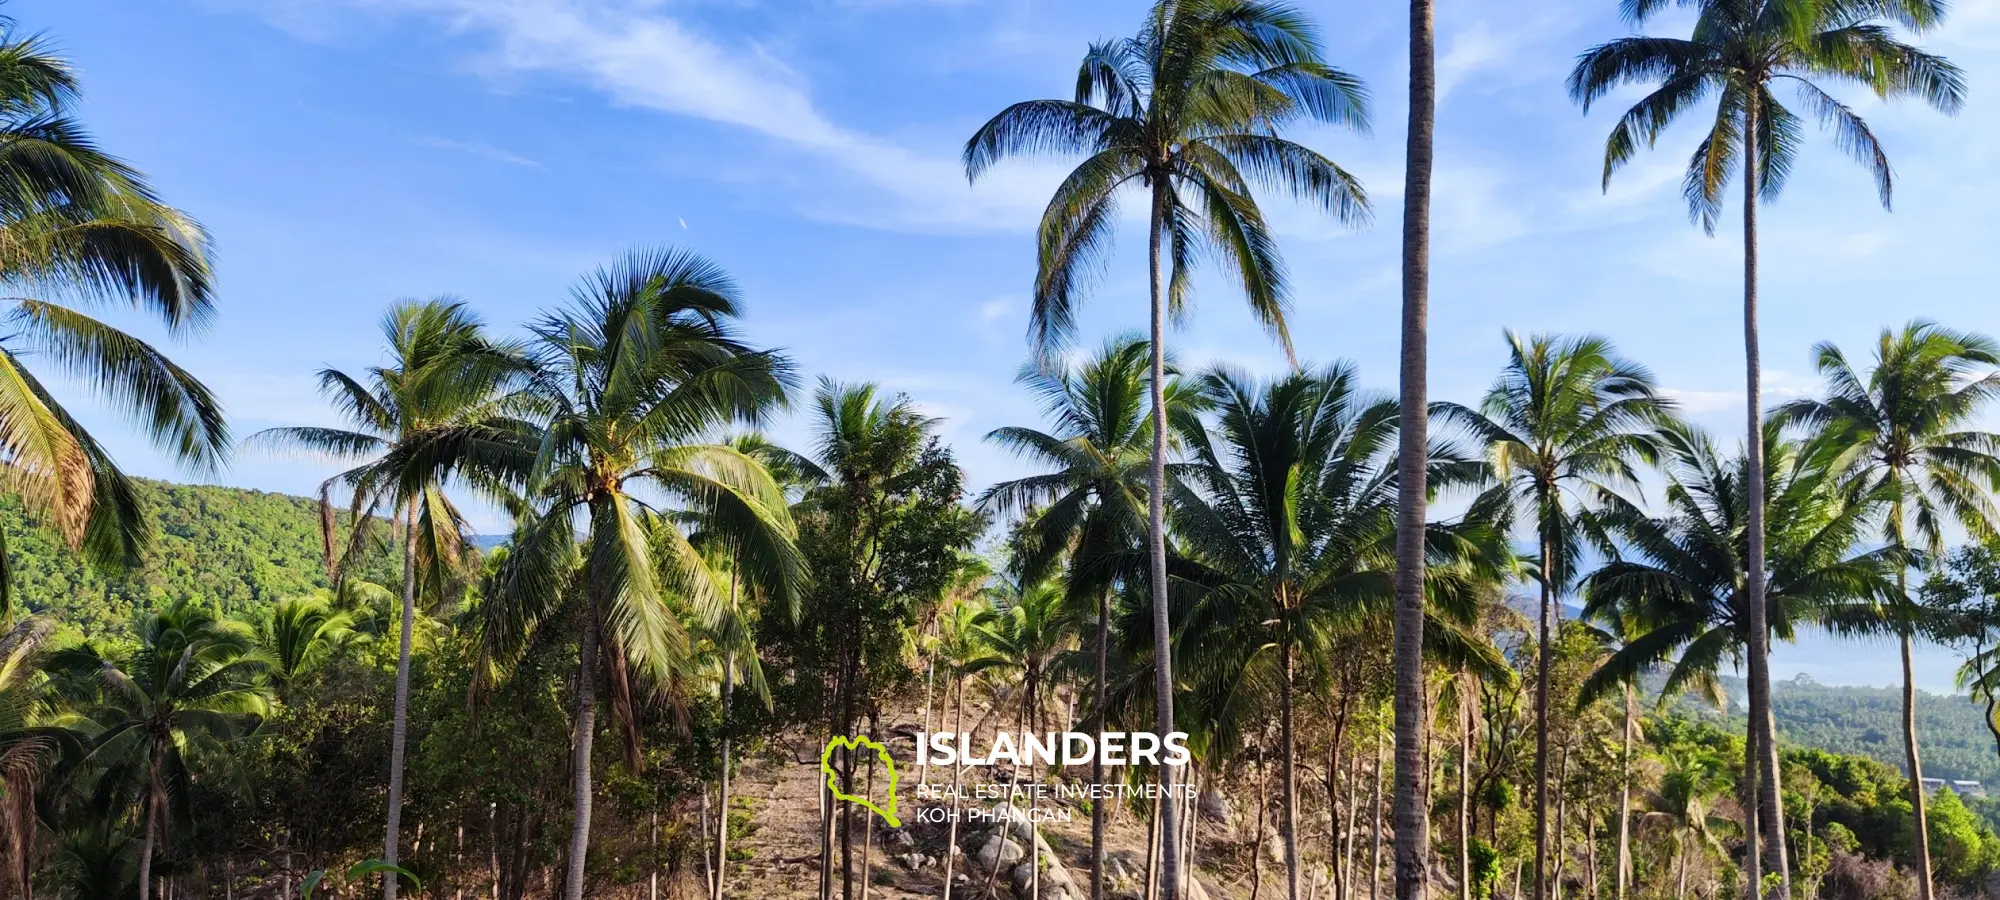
pixel 1090 502
pixel 1677 580
pixel 1739 50
pixel 1287 516
pixel 80 225
pixel 636 383
pixel 1907 428
pixel 445 378
pixel 1564 427
pixel 1028 629
pixel 1189 109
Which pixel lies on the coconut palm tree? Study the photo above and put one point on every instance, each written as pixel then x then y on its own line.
pixel 1565 426
pixel 34 737
pixel 1287 513
pixel 1189 110
pixel 170 709
pixel 1089 505
pixel 1411 814
pixel 1737 53
pixel 636 379
pixel 444 377
pixel 1030 629
pixel 76 222
pixel 300 634
pixel 1908 429
pixel 1681 810
pixel 1679 584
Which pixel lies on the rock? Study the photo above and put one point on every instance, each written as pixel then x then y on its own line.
pixel 914 861
pixel 1216 808
pixel 1000 849
pixel 901 837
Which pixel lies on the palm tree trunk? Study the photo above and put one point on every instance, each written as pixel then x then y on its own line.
pixel 722 821
pixel 1753 860
pixel 1375 862
pixel 957 779
pixel 1291 787
pixel 146 845
pixel 1465 700
pixel 1624 876
pixel 1756 614
pixel 1353 824
pixel 586 730
pixel 1257 843
pixel 1150 891
pixel 1549 575
pixel 399 723
pixel 1096 759
pixel 1156 545
pixel 1413 837
pixel 1917 798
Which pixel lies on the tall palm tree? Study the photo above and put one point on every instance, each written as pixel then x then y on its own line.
pixel 1189 109
pixel 33 738
pixel 444 376
pixel 1565 425
pixel 1908 429
pixel 77 222
pixel 1411 813
pixel 1679 584
pixel 1089 505
pixel 1029 629
pixel 1681 810
pixel 1288 514
pixel 635 381
pixel 172 707
pixel 1738 51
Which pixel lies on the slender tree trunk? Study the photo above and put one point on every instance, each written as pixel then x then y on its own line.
pixel 580 752
pixel 868 821
pixel 653 865
pixel 1550 573
pixel 1757 619
pixel 1918 801
pixel 1753 858
pixel 1097 760
pixel 722 822
pixel 1624 877
pixel 707 862
pixel 1353 823
pixel 1156 545
pixel 399 723
pixel 152 831
pixel 1153 855
pixel 1290 784
pixel 1413 837
pixel 1465 701
pixel 1257 843
pixel 1559 855
pixel 957 779
pixel 1375 863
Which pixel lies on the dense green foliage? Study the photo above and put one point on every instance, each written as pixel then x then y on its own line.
pixel 243 549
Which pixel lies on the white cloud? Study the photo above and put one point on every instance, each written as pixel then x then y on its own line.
pixel 487 151
pixel 637 55
pixel 998 308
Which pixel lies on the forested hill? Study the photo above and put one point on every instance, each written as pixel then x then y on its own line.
pixel 239 547
pixel 1868 721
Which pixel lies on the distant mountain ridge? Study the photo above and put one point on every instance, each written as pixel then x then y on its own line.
pixel 241 548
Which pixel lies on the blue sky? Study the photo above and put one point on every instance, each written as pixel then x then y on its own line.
pixel 346 153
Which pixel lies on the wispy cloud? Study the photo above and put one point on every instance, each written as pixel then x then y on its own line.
pixel 638 56
pixel 486 151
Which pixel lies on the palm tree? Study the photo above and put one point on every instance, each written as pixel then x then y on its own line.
pixel 1680 584
pixel 445 376
pixel 1188 110
pixel 77 222
pixel 172 707
pixel 1411 814
pixel 633 380
pixel 1029 629
pixel 33 739
pixel 1564 426
pixel 1738 51
pixel 1681 812
pixel 1288 515
pixel 1090 503
pixel 963 650
pixel 1908 429
pixel 300 634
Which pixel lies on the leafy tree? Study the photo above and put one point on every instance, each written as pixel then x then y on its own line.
pixel 172 706
pixel 1566 425
pixel 79 222
pixel 1738 51
pixel 1908 431
pixel 1190 110
pixel 299 634
pixel 632 377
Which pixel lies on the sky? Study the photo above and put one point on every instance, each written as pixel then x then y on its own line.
pixel 348 153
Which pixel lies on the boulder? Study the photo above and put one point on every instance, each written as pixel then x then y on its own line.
pixel 1000 850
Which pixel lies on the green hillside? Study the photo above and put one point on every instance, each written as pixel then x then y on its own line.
pixel 240 547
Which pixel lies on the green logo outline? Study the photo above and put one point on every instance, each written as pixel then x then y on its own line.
pixel 833 780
